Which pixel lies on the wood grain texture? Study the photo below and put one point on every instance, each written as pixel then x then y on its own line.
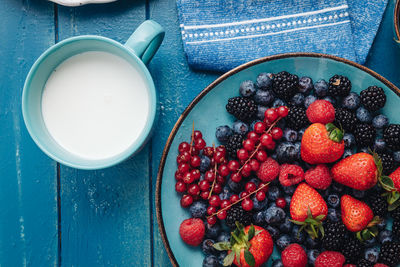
pixel 105 214
pixel 177 85
pixel 28 190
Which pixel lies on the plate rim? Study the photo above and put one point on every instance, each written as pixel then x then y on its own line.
pixel 211 86
pixel 76 3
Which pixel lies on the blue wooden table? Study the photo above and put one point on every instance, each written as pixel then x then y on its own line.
pixel 55 215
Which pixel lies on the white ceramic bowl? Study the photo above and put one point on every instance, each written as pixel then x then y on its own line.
pixel 80 2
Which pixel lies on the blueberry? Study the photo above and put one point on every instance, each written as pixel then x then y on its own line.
pixel 274 156
pixel 273 193
pixel 363 115
pixel 297 151
pixel 277 263
pixel 212 231
pixel 247 88
pixel 298 99
pixel 226 193
pixel 261 111
pixel 312 256
pixel 309 100
pixel 235 187
pixel 382 224
pixel 333 201
pixel 207 247
pixel 288 199
pixel 312 243
pixel 224 237
pixel 290 135
pixel 358 193
pixel 349 140
pixel 300 133
pixel 347 152
pixel 337 187
pixel 278 102
pixel 364 149
pixel 221 257
pixel 305 85
pixel 352 101
pixel 210 261
pixel 273 231
pixel 283 241
pixel 204 163
pixel 264 80
pixel 198 209
pixel 370 242
pixel 330 99
pixel 380 121
pixel 371 254
pixel 263 97
pixel 321 88
pixel 274 215
pixel 240 127
pixel 289 190
pixel 258 218
pixel 298 236
pixel 259 205
pixel 396 156
pixel 223 133
pixel 286 152
pixel 286 226
pixel 379 145
pixel 385 236
pixel 333 215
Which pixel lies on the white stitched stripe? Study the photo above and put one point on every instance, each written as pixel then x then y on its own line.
pixel 266 19
pixel 270 33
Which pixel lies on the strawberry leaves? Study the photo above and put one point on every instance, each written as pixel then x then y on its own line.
pixel 334 133
pixel 371 231
pixel 239 241
pixel 313 226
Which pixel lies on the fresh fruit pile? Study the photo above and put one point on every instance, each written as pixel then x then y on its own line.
pixel 310 168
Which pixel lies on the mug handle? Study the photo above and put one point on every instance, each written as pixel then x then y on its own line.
pixel 146 40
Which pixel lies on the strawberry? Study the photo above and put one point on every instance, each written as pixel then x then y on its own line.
pixel 294 256
pixel 322 144
pixel 321 111
pixel 358 217
pixel 349 265
pixel 308 204
pixel 395 176
pixel 290 174
pixel 268 170
pixel 357 171
pixel 391 184
pixel 250 246
pixel 192 231
pixel 319 177
pixel 330 259
pixel 380 265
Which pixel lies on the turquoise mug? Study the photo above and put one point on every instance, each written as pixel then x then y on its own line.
pixel 138 51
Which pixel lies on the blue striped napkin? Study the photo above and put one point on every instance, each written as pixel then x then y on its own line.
pixel 219 35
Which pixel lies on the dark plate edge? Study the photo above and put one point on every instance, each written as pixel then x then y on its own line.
pixel 208 89
pixel 396 20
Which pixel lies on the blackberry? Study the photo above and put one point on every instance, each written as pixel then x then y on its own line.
pixel 297 118
pixel 237 213
pixel 387 163
pixel 364 134
pixel 242 108
pixel 373 98
pixel 364 263
pixel 396 228
pixel 391 135
pixel 234 144
pixel 285 85
pixel 345 119
pixel 378 204
pixel 390 253
pixel 396 214
pixel 339 86
pixel 335 232
pixel 352 249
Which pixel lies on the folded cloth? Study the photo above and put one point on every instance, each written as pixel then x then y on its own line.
pixel 220 34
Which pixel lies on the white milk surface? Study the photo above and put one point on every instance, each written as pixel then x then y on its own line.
pixel 95 105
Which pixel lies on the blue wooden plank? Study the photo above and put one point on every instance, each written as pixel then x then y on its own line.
pixel 177 85
pixel 28 184
pixel 105 214
pixel 384 56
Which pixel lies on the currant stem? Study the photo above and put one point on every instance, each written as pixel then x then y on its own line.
pixel 215 175
pixel 192 139
pixel 239 200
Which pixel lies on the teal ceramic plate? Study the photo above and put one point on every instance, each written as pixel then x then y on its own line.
pixel 207 111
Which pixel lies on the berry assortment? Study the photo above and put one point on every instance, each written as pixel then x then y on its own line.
pixel 310 168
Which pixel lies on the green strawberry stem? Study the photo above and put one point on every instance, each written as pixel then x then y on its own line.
pixel 313 226
pixel 370 231
pixel 334 133
pixel 239 240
